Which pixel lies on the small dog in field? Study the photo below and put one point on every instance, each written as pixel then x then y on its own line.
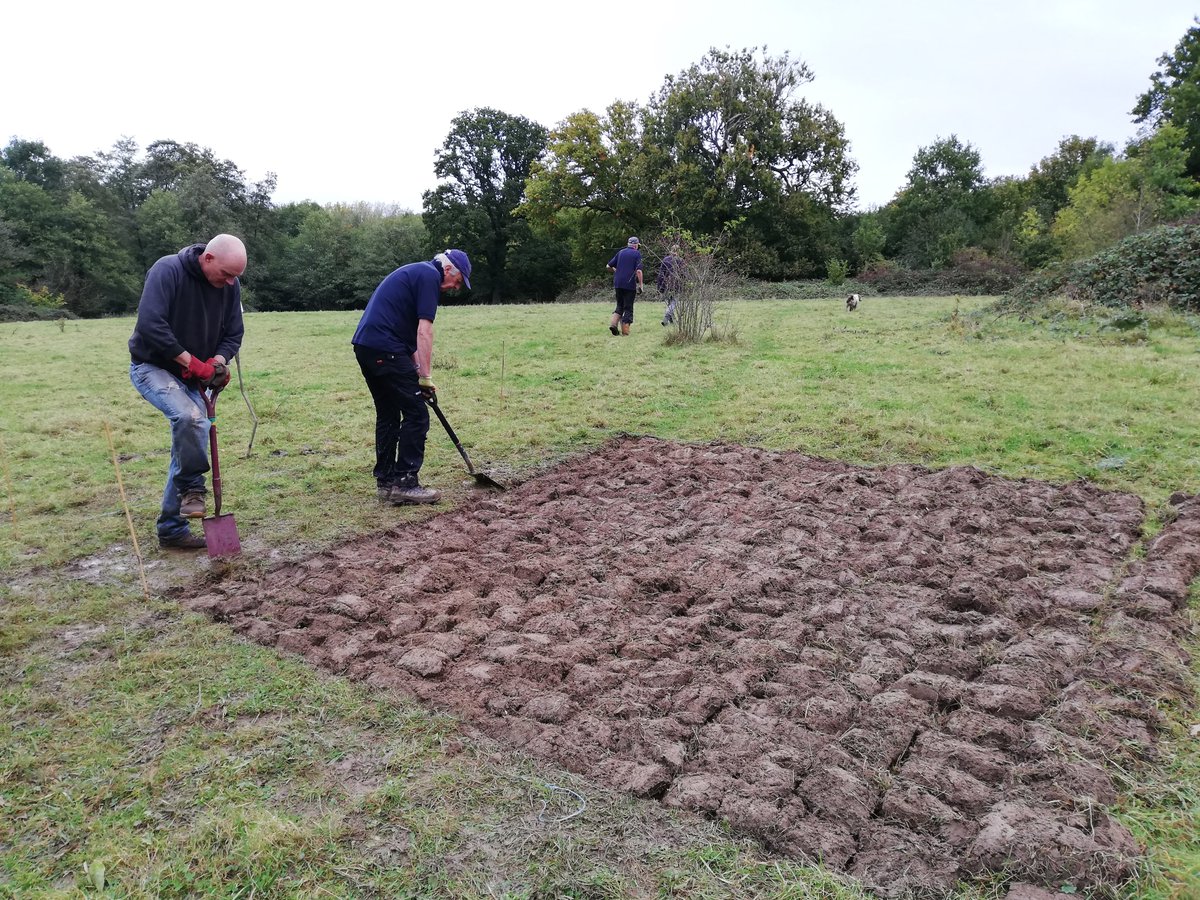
pixel 852 303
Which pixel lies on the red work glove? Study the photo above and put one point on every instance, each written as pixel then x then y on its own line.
pixel 220 373
pixel 200 372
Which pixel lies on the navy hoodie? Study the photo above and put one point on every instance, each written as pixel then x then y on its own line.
pixel 180 310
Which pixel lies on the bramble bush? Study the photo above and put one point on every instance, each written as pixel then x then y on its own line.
pixel 1157 267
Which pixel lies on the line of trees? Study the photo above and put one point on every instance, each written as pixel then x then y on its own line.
pixel 728 147
pixel 80 234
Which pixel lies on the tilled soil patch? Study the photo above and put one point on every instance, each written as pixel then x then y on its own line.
pixel 912 676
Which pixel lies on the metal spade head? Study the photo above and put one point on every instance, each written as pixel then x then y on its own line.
pixel 221 535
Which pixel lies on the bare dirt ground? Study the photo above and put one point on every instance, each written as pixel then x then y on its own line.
pixel 912 676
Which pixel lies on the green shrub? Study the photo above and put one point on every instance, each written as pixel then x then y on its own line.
pixel 40 298
pixel 19 303
pixel 836 271
pixel 1158 267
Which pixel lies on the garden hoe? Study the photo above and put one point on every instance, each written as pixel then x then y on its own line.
pixel 481 480
pixel 220 531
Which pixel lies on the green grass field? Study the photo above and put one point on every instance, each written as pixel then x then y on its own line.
pixel 147 752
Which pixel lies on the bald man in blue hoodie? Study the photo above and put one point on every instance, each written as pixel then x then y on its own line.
pixel 189 325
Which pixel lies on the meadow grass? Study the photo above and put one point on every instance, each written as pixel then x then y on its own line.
pixel 145 751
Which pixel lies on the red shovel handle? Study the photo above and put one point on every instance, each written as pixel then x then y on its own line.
pixel 210 404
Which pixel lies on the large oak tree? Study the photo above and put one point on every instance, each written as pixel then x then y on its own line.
pixel 727 145
pixel 483 165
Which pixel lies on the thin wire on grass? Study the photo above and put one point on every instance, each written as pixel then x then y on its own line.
pixel 125 504
pixel 12 507
pixel 560 819
pixel 237 359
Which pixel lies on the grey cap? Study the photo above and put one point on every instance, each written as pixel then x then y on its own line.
pixel 633 242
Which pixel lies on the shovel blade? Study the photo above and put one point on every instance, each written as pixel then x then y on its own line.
pixel 486 481
pixel 221 536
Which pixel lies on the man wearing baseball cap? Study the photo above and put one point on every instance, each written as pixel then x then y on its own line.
pixel 626 267
pixel 394 348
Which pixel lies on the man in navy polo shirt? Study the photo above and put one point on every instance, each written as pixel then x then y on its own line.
pixel 626 267
pixel 394 347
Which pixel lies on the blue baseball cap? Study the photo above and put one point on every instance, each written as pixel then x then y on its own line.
pixel 459 260
pixel 633 242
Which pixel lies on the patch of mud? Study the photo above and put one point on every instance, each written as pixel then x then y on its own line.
pixel 359 774
pixel 912 676
pixel 76 636
pixel 165 569
pixel 114 564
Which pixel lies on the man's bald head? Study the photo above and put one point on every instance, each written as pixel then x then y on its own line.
pixel 223 260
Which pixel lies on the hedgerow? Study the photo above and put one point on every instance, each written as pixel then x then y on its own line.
pixel 972 272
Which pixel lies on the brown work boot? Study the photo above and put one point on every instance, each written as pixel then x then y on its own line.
pixel 402 496
pixel 625 329
pixel 192 505
pixel 185 541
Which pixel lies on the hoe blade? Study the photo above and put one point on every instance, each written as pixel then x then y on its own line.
pixel 487 481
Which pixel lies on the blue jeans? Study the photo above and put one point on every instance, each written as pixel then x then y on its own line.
pixel 184 408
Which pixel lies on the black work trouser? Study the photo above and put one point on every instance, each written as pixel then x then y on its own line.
pixel 401 416
pixel 625 298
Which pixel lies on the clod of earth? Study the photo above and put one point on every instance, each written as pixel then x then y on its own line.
pixel 912 676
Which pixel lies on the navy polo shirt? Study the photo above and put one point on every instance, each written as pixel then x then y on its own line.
pixel 409 294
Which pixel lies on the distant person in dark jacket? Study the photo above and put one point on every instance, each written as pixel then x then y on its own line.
pixel 189 325
pixel 670 275
pixel 626 267
pixel 394 347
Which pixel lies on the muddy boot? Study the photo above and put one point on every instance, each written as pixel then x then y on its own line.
pixel 402 496
pixel 624 329
pixel 192 505
pixel 185 540
pixel 612 325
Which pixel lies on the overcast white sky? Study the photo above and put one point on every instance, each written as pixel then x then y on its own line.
pixel 348 101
